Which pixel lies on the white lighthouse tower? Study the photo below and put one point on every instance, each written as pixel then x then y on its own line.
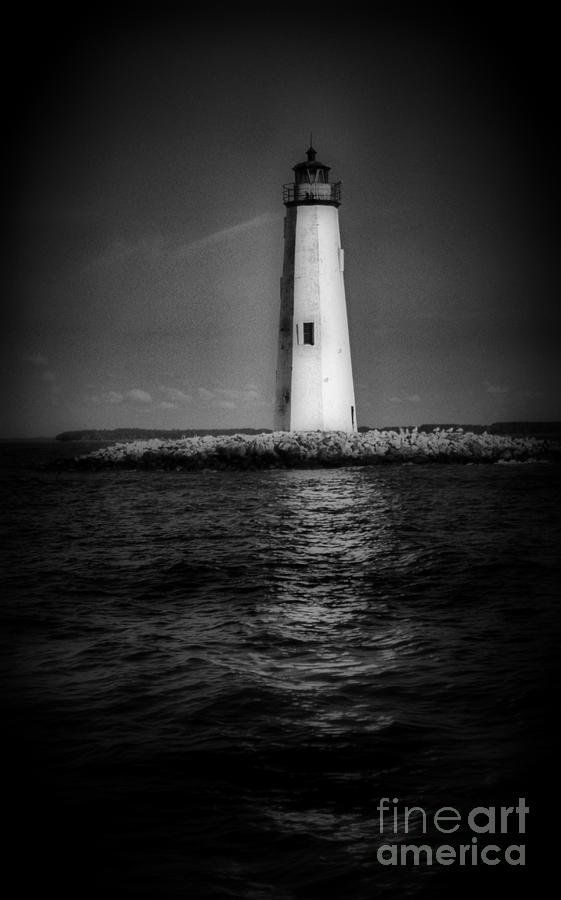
pixel 314 387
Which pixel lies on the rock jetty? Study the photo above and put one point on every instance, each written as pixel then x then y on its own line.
pixel 313 449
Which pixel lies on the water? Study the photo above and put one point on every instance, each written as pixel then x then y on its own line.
pixel 213 678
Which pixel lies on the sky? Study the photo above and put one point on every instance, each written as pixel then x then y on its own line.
pixel 143 213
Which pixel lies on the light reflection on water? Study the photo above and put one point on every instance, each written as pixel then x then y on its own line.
pixel 317 601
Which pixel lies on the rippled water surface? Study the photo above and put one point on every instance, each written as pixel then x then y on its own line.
pixel 213 678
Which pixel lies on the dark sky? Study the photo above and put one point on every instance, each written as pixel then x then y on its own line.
pixel 145 163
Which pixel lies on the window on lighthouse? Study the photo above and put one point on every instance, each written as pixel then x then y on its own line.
pixel 309 333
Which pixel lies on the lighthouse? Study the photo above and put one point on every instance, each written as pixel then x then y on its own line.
pixel 314 381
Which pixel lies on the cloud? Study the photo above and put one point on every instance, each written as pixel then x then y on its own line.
pixel 244 396
pixel 140 396
pixel 496 388
pixel 176 395
pixel 113 397
pixel 218 237
pixel 230 398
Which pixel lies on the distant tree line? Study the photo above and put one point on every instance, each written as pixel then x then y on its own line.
pixel 537 429
pixel 144 434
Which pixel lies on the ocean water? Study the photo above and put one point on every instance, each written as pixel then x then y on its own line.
pixel 211 679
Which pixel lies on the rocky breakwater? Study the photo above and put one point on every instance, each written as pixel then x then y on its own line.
pixel 283 449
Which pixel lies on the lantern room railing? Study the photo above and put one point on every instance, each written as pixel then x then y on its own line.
pixel 311 193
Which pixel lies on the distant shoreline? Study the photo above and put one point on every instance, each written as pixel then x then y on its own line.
pixel 543 430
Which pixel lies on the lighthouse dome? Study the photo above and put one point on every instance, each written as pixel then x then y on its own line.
pixel 311 170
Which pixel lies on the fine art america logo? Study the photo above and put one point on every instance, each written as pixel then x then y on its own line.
pixel 483 821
